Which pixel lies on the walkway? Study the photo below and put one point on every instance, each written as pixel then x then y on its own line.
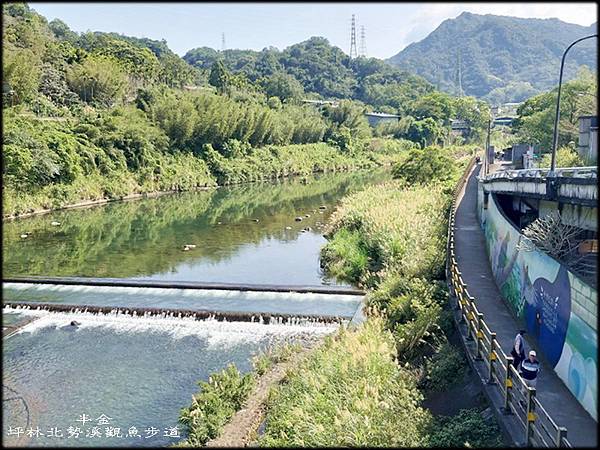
pixel 476 272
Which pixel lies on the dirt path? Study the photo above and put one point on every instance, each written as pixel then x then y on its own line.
pixel 241 429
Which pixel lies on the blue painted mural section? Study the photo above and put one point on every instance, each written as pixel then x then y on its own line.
pixel 548 299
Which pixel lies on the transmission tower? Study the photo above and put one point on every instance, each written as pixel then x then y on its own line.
pixel 223 42
pixel 363 42
pixel 459 73
pixel 353 53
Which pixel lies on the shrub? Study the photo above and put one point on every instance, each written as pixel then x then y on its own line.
pixel 426 166
pixel 445 368
pixel 219 399
pixel 565 157
pixel 467 429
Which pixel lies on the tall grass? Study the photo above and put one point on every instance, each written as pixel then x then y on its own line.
pixel 399 229
pixel 224 393
pixel 349 392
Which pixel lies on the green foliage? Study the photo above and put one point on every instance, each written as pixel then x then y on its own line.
pixel 565 157
pixel 21 70
pixel 345 255
pixel 98 80
pixel 445 368
pixel 392 238
pixel 139 62
pixel 506 59
pixel 219 77
pixel 425 166
pixel 283 86
pixel 264 361
pixel 403 230
pixel 535 121
pixel 425 132
pixel 467 429
pixel 219 399
pixel 53 85
pixel 348 392
pixel 320 69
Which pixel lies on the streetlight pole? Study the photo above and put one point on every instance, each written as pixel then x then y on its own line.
pixel 557 115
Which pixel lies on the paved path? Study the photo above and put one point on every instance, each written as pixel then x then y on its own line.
pixel 475 268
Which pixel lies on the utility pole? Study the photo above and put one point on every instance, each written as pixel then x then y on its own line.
pixel 363 42
pixel 353 53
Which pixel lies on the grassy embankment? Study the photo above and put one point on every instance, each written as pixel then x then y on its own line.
pixel 365 386
pixel 223 394
pixel 88 172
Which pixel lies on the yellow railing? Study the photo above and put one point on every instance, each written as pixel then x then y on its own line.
pixel 519 399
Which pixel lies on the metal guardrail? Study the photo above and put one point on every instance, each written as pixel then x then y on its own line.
pixel 540 430
pixel 566 172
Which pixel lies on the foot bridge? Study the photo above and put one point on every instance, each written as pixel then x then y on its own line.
pixel 265 304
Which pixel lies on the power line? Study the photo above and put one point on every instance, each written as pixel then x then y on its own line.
pixel 363 42
pixel 353 53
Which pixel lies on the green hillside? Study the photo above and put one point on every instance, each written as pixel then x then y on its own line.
pixel 323 71
pixel 502 58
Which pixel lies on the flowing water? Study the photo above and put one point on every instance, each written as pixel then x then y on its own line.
pixel 194 299
pixel 138 370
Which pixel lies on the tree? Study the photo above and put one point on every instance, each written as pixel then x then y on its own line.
pixel 535 121
pixel 54 86
pixel 21 71
pixel 284 86
pixel 350 115
pixel 436 105
pixel 425 165
pixel 99 79
pixel 425 132
pixel 219 77
pixel 140 63
pixel 62 31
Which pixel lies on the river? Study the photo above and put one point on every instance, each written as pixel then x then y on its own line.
pixel 242 234
pixel 140 371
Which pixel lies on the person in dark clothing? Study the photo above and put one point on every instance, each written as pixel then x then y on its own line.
pixel 518 350
pixel 530 368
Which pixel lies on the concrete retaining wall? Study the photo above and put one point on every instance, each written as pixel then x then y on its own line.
pixel 556 307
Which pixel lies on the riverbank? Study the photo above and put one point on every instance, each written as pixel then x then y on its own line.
pixel 373 385
pixel 267 163
pixel 390 239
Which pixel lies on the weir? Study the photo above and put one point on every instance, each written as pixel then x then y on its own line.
pixel 122 297
pixel 120 282
pixel 280 319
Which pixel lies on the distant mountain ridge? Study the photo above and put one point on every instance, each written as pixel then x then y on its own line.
pixel 502 58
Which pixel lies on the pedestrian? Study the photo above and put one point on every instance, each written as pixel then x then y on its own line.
pixel 530 368
pixel 518 350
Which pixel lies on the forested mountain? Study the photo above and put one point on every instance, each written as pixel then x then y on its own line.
pixel 502 58
pixel 324 70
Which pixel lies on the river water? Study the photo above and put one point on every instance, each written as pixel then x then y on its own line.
pixel 140 371
pixel 243 234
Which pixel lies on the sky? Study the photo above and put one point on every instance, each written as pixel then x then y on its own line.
pixel 389 27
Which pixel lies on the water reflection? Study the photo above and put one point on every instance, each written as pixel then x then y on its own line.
pixel 242 234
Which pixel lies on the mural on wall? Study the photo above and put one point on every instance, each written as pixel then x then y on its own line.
pixel 539 291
